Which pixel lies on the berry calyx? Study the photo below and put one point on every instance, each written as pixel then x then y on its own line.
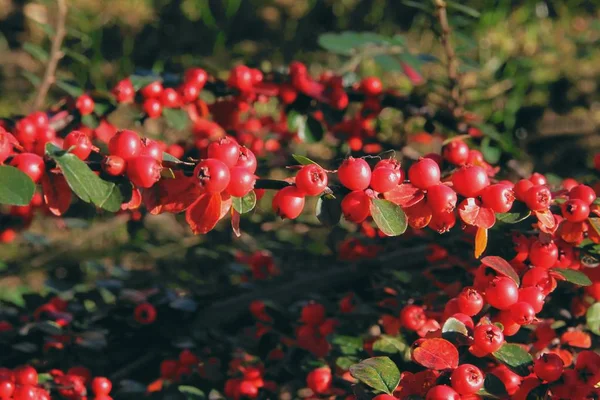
pixel 213 175
pixel 145 313
pixel 498 197
pixel 538 198
pixel 487 338
pixel 311 179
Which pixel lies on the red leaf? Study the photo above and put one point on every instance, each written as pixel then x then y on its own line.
pixel 57 193
pixel 225 204
pixel 501 266
pixel 546 221
pixel 135 202
pixel 171 195
pixel 405 195
pixel 481 240
pixel 472 213
pixel 419 215
pixel 577 339
pixel 436 354
pixel 572 232
pixel 204 213
pixel 235 223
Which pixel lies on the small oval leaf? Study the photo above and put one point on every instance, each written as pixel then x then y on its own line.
pixel 515 357
pixel 389 217
pixel 244 204
pixel 438 354
pixel 592 317
pixel 380 373
pixel 573 276
pixel 302 160
pixel 16 188
pixel 329 210
pixel 501 266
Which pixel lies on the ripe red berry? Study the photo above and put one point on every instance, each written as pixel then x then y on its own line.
pixel 509 326
pixel 575 210
pixel 113 165
pixel 498 197
pixel 79 144
pixel 247 159
pixel 311 179
pixel 145 313
pixel 487 338
pixel 534 296
pixel 240 78
pixel 569 183
pixel 549 367
pixel 288 202
pixel 470 180
pixel 502 292
pixel 338 98
pixel 101 386
pixel 225 150
pixel 393 164
pixel 152 148
pixel 26 375
pixel 521 188
pixel 153 107
pixel 196 76
pixel 442 222
pixel 124 91
pixel 424 174
pixel 467 379
pixel 125 144
pixel 442 392
pixel 313 314
pixel 85 104
pixel 511 380
pixel 384 179
pixel 287 93
pixel 241 183
pixel 319 380
pixel 40 119
pixel 212 174
pixel 540 278
pixel 470 301
pixel 356 206
pixel 143 171
pixel 412 317
pixel 456 152
pixel 522 313
pixel 170 98
pixel 153 90
pixel 384 396
pixel 441 198
pixel 538 179
pixel 584 193
pixel 25 392
pixel 371 86
pixel 7 388
pixel 189 92
pixel 29 163
pixel 543 255
pixel 538 198
pixel 354 173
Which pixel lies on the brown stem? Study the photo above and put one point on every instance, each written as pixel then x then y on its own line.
pixel 451 60
pixel 55 55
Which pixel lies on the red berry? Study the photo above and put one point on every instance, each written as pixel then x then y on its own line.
pixel 153 90
pixel 412 317
pixel 85 104
pixel 288 202
pixel 498 197
pixel 543 255
pixel 502 292
pixel 247 389
pixel 7 389
pixel 371 86
pixel 511 380
pixel 583 193
pixel 356 206
pixel 467 379
pixel 170 98
pixel 152 148
pixel 240 78
pixel 124 91
pixel 534 296
pixel 241 183
pixel 25 392
pixel 338 98
pixel 113 165
pixel 40 119
pixel 125 144
pixel 522 313
pixel 470 302
pixel 539 277
pixel 442 392
pixel 26 131
pixel 225 150
pixel 521 189
pixel 187 357
pixel 311 179
pixel 29 163
pixel 487 338
pixel 424 174
pixel 247 159
pixel 287 93
pixel 26 375
pixel 354 173
pixel 143 171
pixel 470 180
pixel 153 107
pixel 538 198
pixel 575 210
pixel 442 222
pixel 313 314
pixel 441 198
pixel 509 326
pixel 196 76
pixel 456 152
pixel 189 92
pixel 319 380
pixel 384 179
pixel 257 76
pixel 213 175
pixel 384 397
pixel 549 367
pixel 393 164
pixel 538 179
pixel 569 183
pixel 79 143
pixel 145 313
pixel 168 368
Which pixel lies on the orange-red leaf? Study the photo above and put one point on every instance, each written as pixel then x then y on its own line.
pixel 579 339
pixel 225 204
pixel 481 239
pixel 405 195
pixel 204 213
pixel 472 213
pixel 436 354
pixel 171 195
pixel 501 266
pixel 572 232
pixel 135 202
pixel 57 193
pixel 546 221
pixel 419 215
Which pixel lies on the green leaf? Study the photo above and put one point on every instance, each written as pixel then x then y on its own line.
pixel 168 157
pixel 389 217
pixel 191 392
pixel 390 344
pixel 176 118
pixel 71 90
pixel 90 121
pixel 329 210
pixel 519 212
pixel 463 9
pixel 16 187
pixel 573 276
pixel 592 317
pixel 452 325
pixel 494 386
pixel 45 377
pixel 345 362
pixel 491 153
pixel 85 183
pixel 139 82
pixel 36 51
pixel 32 78
pixel 515 358
pixel 244 204
pixel 387 63
pixel 379 373
pixel 77 56
pixel 303 160
pixel 308 128
pixel 336 43
pixel 348 345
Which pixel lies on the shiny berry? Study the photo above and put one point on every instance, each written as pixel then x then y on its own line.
pixel 575 210
pixel 170 98
pixel 583 193
pixel 241 183
pixel 502 292
pixel 313 314
pixel 240 78
pixel 225 150
pixel 196 76
pixel 153 107
pixel 470 302
pixel 85 104
pixel 538 179
pixel 101 386
pixel 288 202
pixel 29 163
pixel 25 392
pixel 7 388
pixel 213 175
pixel 153 90
pixel 441 198
pixel 549 367
pixel 442 222
pixel 152 148
pixel 412 317
pixel 356 206
pixel 113 165
pixel 498 197
pixel 124 91
pixel 311 179
pixel 79 144
pixel 371 86
pixel 534 296
pixel 522 313
pixel 543 255
pixel 145 313
pixel 539 277
pixel 470 180
pixel 424 174
pixel 189 92
pixel 456 152
pixel 487 338
pixel 354 173
pixel 521 188
pixel 319 380
pixel 143 171
pixel 247 159
pixel 26 375
pixel 125 144
pixel 538 198
pixel 442 392
pixel 384 179
pixel 467 379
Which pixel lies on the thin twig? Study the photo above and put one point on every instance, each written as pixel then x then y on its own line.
pixel 55 55
pixel 451 60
